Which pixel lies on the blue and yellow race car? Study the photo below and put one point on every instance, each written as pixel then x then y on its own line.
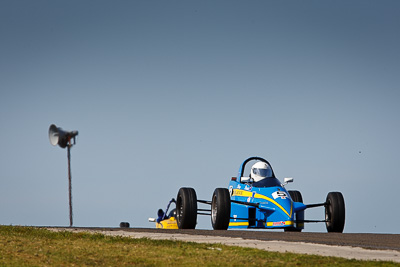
pixel 259 200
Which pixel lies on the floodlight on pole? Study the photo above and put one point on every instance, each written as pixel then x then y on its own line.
pixel 58 136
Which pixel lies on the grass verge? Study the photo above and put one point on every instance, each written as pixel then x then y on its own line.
pixel 29 246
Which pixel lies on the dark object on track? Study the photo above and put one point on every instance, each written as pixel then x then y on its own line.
pixel 124 225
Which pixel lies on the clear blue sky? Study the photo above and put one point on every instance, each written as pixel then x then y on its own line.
pixel 167 94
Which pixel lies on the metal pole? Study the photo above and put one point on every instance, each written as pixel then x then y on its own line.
pixel 70 185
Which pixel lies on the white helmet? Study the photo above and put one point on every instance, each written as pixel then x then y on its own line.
pixel 260 170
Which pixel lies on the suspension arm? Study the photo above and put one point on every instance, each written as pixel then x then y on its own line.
pixel 316 205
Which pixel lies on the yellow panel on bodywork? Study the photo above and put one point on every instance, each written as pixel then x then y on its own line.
pixel 239 224
pixel 168 224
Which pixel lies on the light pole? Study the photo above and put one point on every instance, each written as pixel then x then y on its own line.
pixel 58 136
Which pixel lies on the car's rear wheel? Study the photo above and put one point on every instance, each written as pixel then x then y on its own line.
pixel 296 197
pixel 186 208
pixel 220 209
pixel 335 212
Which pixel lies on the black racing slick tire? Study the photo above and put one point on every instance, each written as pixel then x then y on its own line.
pixel 335 212
pixel 186 208
pixel 296 197
pixel 220 209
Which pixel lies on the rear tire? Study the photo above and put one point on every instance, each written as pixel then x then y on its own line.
pixel 186 208
pixel 220 209
pixel 335 212
pixel 296 197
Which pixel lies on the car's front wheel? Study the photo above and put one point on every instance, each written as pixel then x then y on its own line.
pixel 220 209
pixel 296 197
pixel 186 208
pixel 334 212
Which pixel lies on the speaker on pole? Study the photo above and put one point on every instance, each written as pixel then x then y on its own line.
pixel 58 136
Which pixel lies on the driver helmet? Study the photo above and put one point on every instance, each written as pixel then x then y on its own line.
pixel 260 170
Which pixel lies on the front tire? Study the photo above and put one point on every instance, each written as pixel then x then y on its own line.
pixel 186 208
pixel 334 212
pixel 220 209
pixel 296 197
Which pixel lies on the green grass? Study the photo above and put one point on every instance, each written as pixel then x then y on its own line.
pixel 29 246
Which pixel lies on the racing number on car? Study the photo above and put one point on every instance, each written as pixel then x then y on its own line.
pixel 279 194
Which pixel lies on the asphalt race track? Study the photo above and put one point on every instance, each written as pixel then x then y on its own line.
pixel 368 241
